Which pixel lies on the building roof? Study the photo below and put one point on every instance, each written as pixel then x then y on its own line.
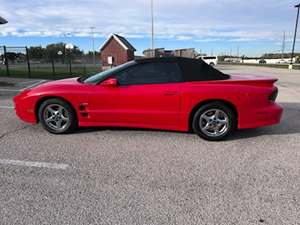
pixel 2 20
pixel 121 40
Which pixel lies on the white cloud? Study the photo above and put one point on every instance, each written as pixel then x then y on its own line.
pixel 202 21
pixel 208 40
pixel 184 37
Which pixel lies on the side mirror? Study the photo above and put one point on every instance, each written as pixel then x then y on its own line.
pixel 110 82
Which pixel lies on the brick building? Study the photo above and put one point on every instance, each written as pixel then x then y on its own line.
pixel 116 50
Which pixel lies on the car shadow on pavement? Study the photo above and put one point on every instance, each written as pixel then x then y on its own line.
pixel 95 129
pixel 290 124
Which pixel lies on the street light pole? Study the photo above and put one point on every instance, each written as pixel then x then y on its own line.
pixel 152 29
pixel 295 36
pixel 69 47
pixel 93 40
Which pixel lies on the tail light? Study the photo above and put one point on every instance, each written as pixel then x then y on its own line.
pixel 273 95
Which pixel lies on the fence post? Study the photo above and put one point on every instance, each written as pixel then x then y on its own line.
pixel 53 68
pixel 84 69
pixel 28 62
pixel 70 63
pixel 6 61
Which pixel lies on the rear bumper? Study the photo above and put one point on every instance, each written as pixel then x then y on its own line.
pixel 266 116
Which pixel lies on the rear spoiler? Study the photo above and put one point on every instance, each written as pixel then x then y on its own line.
pixel 253 80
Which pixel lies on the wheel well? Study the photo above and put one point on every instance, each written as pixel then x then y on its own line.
pixel 40 101
pixel 200 104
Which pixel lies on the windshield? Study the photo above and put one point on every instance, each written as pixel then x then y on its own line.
pixel 96 78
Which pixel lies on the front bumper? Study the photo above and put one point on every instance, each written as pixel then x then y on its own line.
pixel 25 107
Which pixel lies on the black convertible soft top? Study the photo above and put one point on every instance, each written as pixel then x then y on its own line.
pixel 192 69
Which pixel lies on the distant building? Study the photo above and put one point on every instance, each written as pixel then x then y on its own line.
pixel 186 52
pixel 116 50
pixel 161 52
pixel 233 59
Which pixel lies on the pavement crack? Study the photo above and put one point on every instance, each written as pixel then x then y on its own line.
pixel 12 131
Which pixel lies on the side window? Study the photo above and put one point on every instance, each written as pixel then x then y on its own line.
pixel 198 70
pixel 150 73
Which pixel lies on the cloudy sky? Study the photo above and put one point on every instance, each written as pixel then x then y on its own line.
pixel 211 26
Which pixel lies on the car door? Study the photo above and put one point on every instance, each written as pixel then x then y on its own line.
pixel 147 95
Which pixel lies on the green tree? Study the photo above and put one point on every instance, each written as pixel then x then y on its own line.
pixel 37 52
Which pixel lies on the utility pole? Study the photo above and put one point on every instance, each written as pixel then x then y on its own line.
pixel 283 46
pixel 295 36
pixel 93 41
pixel 152 29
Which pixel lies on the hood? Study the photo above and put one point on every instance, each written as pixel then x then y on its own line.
pixel 56 84
pixel 67 81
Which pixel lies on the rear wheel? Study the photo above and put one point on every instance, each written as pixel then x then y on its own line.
pixel 214 121
pixel 57 116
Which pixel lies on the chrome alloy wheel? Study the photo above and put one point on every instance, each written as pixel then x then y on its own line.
pixel 214 122
pixel 56 117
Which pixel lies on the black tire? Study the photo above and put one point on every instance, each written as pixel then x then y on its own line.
pixel 68 110
pixel 212 64
pixel 229 114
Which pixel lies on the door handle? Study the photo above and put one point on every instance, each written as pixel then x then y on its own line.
pixel 170 93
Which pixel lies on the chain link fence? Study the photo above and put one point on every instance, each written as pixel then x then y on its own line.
pixel 17 62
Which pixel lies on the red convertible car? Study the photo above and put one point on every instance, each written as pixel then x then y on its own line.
pixel 160 93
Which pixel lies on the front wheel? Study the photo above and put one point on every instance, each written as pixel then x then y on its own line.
pixel 214 121
pixel 57 116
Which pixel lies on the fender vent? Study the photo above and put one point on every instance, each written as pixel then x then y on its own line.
pixel 84 114
pixel 83 109
pixel 82 106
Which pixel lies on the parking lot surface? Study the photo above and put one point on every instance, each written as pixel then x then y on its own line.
pixel 127 176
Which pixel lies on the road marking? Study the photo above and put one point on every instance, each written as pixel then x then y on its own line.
pixel 10 90
pixel 28 82
pixel 34 164
pixel 6 107
pixel 19 90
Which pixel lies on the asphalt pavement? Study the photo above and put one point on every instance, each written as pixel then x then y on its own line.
pixel 128 176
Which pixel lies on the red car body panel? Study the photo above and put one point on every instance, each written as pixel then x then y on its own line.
pixel 157 106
